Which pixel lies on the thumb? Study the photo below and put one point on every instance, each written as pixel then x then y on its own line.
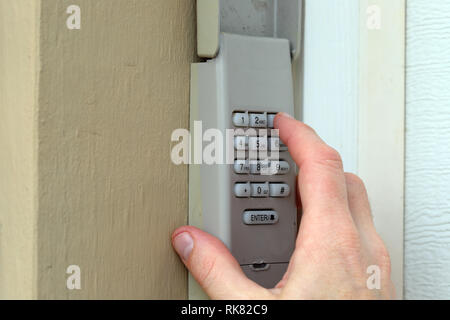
pixel 213 266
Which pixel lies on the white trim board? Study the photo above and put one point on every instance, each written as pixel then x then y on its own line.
pixel 381 158
pixel 353 95
pixel 330 87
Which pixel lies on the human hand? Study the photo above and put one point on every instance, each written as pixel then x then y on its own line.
pixel 336 243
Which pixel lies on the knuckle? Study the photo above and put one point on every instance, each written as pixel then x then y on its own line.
pixel 355 187
pixel 348 242
pixel 383 258
pixel 354 180
pixel 309 128
pixel 331 156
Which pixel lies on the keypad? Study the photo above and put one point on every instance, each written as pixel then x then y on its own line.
pixel 247 168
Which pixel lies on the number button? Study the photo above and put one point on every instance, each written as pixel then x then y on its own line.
pixel 274 143
pixel 260 190
pixel 240 119
pixel 281 167
pixel 258 120
pixel 241 143
pixel 258 167
pixel 258 143
pixel 279 190
pixel 241 167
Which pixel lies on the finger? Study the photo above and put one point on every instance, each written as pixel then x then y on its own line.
pixel 358 202
pixel 362 216
pixel 213 266
pixel 321 177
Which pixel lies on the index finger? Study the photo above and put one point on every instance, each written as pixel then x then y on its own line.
pixel 321 177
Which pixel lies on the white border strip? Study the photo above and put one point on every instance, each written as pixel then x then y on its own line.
pixel 330 79
pixel 382 121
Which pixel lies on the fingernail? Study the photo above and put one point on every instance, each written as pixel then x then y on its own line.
pixel 283 114
pixel 183 245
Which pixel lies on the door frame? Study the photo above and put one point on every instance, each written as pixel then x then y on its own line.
pixel 353 94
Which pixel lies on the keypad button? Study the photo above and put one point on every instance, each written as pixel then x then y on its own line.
pixel 279 190
pixel 241 143
pixel 241 167
pixel 240 119
pixel 242 190
pixel 260 217
pixel 257 143
pixel 259 167
pixel 270 120
pixel 280 167
pixel 258 120
pixel 274 144
pixel 259 190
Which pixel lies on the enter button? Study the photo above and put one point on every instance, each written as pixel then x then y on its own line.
pixel 260 217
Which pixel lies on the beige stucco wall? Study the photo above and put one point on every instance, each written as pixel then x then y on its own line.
pixel 18 161
pixel 94 138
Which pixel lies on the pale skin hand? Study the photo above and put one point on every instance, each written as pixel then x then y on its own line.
pixel 336 243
